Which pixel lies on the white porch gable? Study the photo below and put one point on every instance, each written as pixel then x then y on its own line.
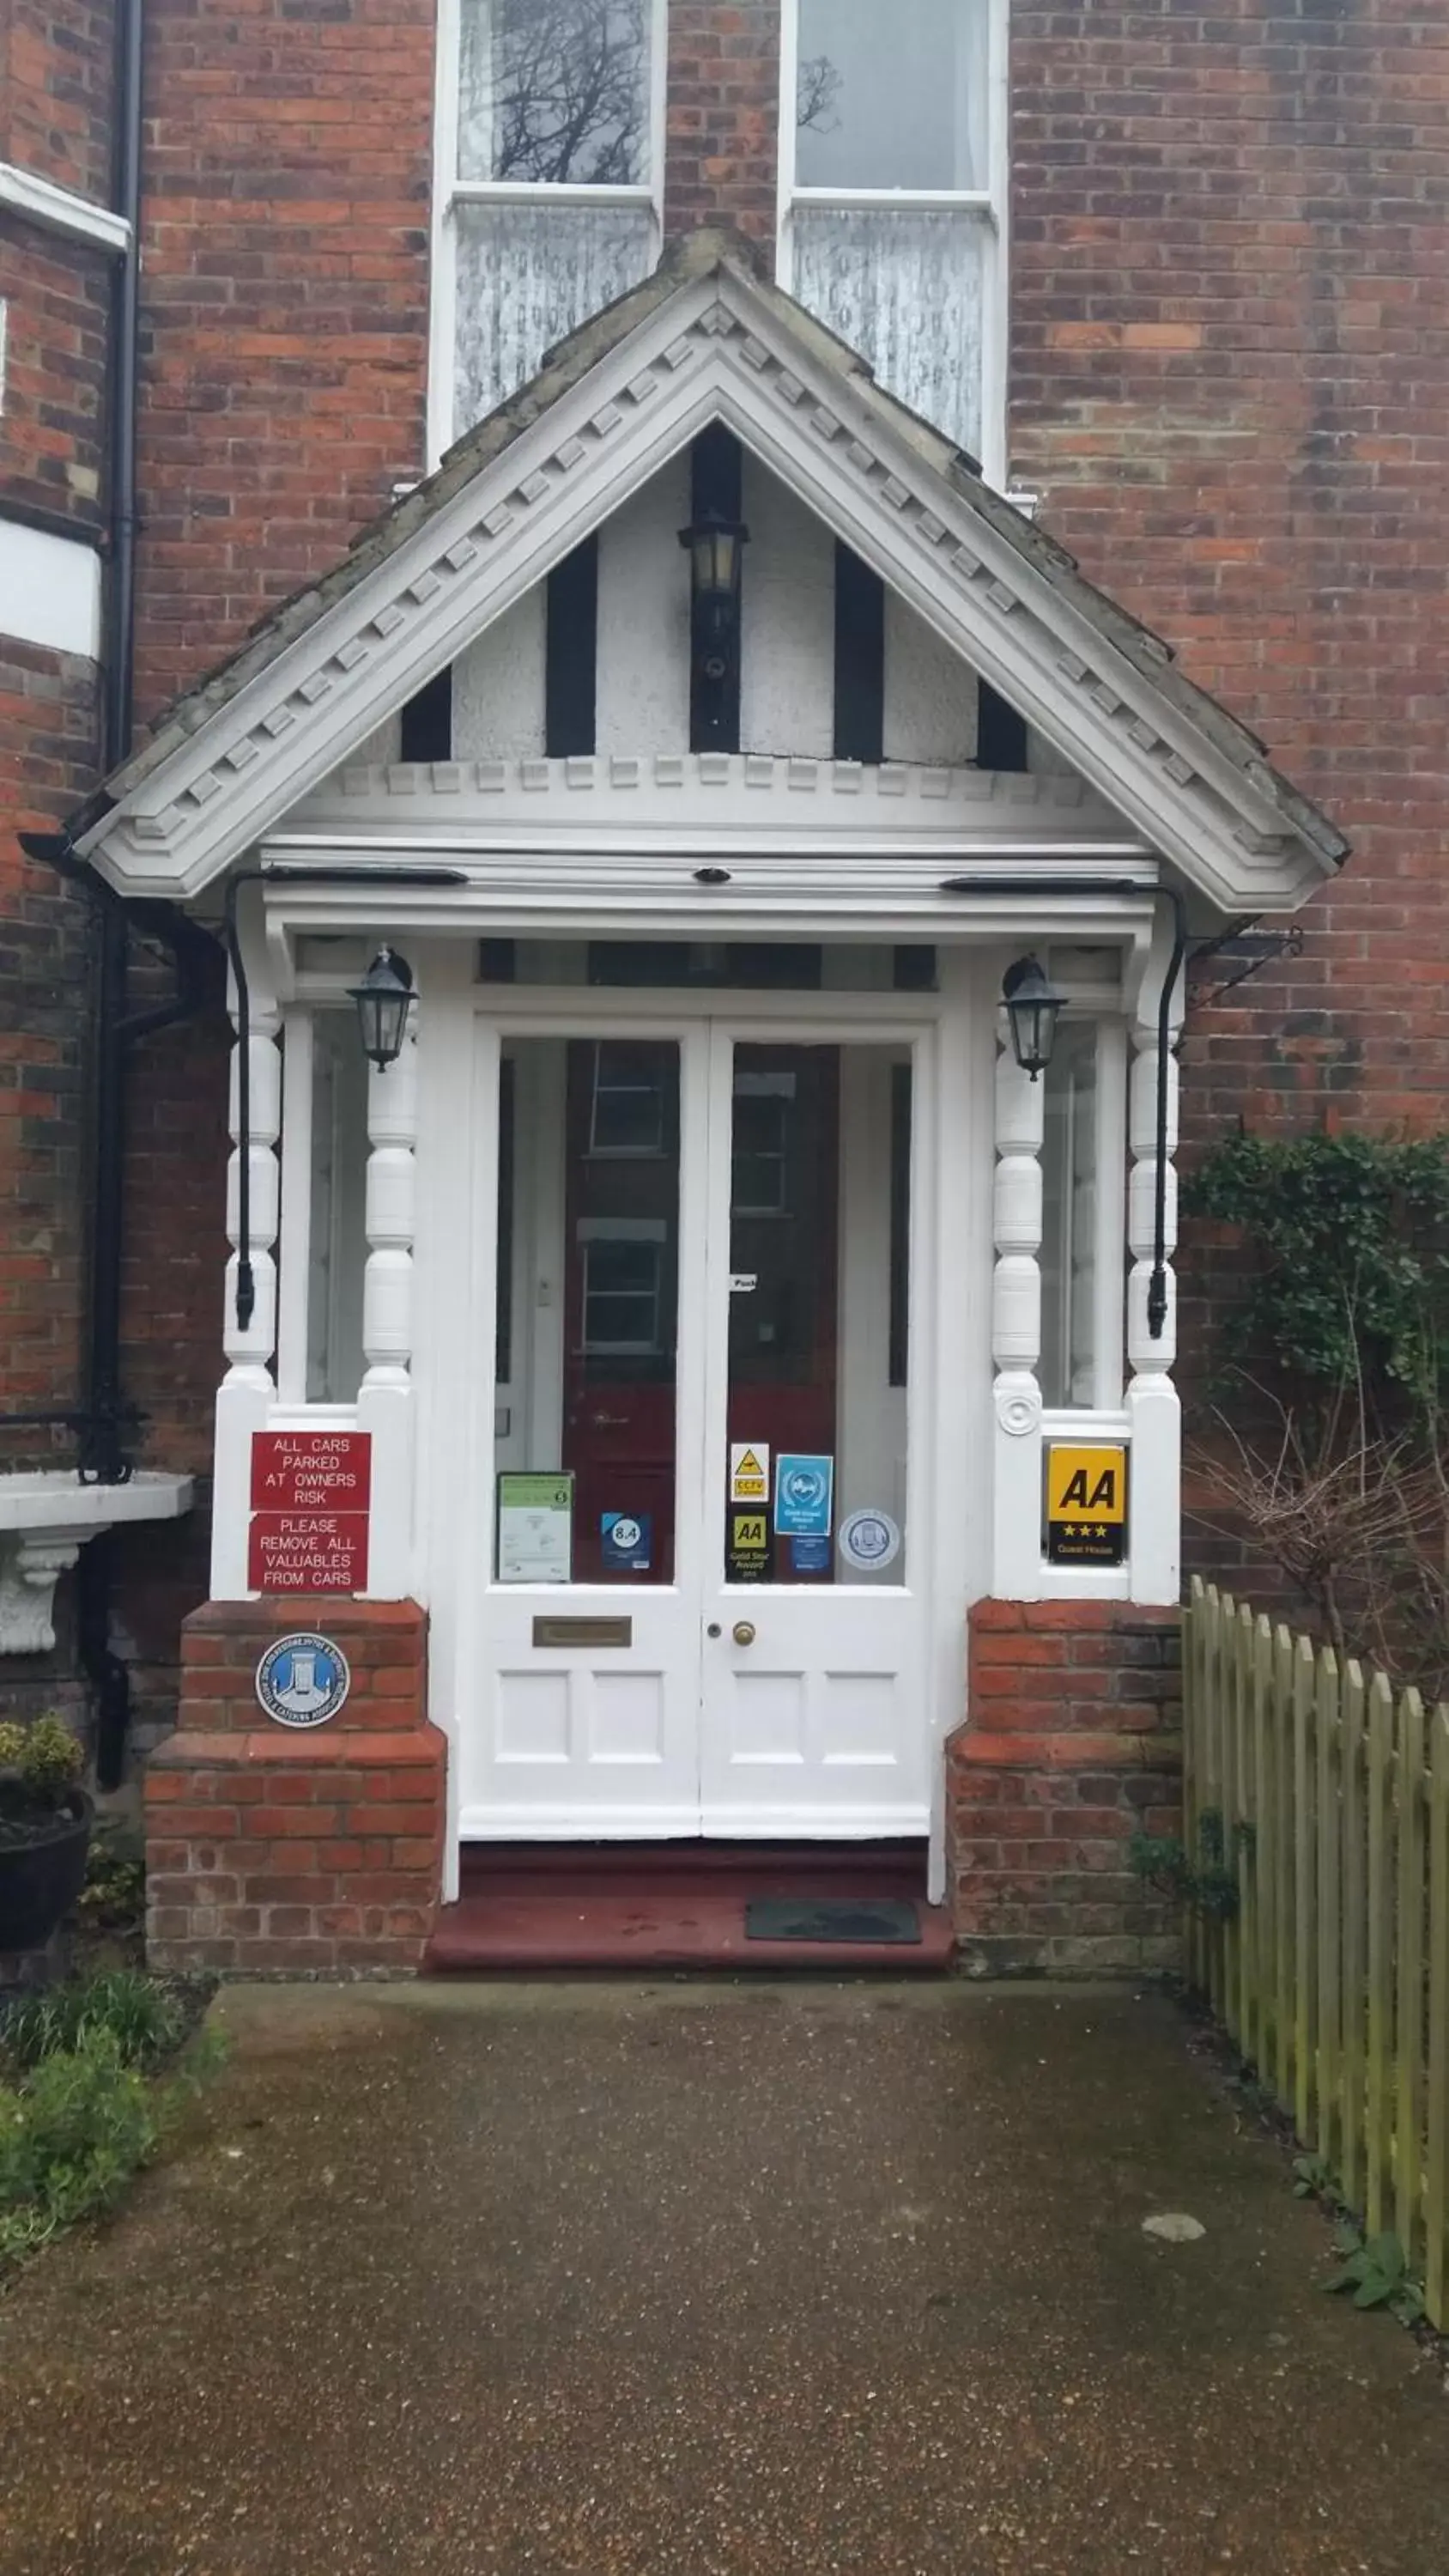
pixel 1149 755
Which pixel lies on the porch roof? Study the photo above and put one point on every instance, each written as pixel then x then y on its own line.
pixel 705 337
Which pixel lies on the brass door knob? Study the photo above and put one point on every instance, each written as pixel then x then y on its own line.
pixel 743 1632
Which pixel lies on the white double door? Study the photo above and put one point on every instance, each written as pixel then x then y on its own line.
pixel 700 1236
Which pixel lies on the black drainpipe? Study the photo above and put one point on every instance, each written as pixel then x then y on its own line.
pixel 102 1419
pixel 104 1457
pixel 118 671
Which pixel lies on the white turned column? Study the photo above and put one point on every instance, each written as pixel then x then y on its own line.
pixel 1016 1329
pixel 385 1399
pixel 244 1399
pixel 1152 1399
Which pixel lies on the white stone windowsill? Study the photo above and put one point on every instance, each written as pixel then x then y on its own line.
pixel 46 1518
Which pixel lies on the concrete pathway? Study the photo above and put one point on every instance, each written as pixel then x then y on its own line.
pixel 710 2280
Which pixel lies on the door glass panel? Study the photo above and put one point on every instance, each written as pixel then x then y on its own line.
pixel 338 1234
pixel 819 1314
pixel 695 965
pixel 1069 1231
pixel 589 1278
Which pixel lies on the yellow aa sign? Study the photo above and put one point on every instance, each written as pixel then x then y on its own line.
pixel 1086 1484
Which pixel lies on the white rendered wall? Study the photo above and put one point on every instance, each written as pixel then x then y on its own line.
pixel 787 687
pixel 498 687
pixel 787 628
pixel 930 693
pixel 643 667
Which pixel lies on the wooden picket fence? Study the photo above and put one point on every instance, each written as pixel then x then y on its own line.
pixel 1329 1795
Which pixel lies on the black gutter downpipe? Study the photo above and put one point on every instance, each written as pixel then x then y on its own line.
pixel 246 1286
pixel 104 1462
pixel 103 1459
pixel 1157 1283
pixel 118 676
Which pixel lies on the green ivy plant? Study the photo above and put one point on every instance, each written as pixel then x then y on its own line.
pixel 1209 1884
pixel 1349 1238
pixel 1330 1447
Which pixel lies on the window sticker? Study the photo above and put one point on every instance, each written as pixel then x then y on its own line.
pixel 535 1528
pixel 748 1546
pixel 810 1556
pixel 804 1492
pixel 750 1471
pixel 627 1541
pixel 869 1539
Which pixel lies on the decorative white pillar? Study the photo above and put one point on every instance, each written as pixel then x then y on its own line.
pixel 1152 1399
pixel 1016 1328
pixel 385 1399
pixel 244 1399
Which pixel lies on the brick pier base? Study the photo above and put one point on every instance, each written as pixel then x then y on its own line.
pixel 1073 1742
pixel 319 1849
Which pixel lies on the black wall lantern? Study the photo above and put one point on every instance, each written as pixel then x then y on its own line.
pixel 715 550
pixel 1032 1008
pixel 714 541
pixel 384 998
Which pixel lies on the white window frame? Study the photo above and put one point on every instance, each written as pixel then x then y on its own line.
pixel 450 192
pixel 992 202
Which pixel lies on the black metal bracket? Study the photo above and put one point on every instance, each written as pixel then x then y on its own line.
pixel 1251 949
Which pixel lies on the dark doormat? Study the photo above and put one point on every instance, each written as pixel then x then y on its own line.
pixel 831 1918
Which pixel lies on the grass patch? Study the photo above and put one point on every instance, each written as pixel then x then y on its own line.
pixel 146 2020
pixel 83 2105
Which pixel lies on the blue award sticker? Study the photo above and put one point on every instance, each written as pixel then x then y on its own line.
pixel 809 1555
pixel 804 1488
pixel 869 1539
pixel 627 1541
pixel 303 1680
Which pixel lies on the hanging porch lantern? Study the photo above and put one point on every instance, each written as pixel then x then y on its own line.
pixel 384 998
pixel 715 549
pixel 1032 1009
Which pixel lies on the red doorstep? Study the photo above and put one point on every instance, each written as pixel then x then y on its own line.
pixel 671 1905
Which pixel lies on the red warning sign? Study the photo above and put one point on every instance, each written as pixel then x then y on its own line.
pixel 307 1552
pixel 308 1470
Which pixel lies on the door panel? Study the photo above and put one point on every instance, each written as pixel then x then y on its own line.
pixel 817 1726
pixel 706 1239
pixel 783 1219
pixel 621 1234
pixel 596 1734
pixel 813 1676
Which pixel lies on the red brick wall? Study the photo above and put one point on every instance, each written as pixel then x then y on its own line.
pixel 288 172
pixel 56 65
pixel 47 752
pixel 317 1849
pixel 55 294
pixel 1072 1743
pixel 1229 380
pixel 722 116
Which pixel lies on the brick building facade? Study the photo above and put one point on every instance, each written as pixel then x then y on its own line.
pixel 1222 348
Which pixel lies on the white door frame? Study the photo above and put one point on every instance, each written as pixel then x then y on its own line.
pixel 948 1505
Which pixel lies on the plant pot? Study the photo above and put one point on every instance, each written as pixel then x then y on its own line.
pixel 41 1877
